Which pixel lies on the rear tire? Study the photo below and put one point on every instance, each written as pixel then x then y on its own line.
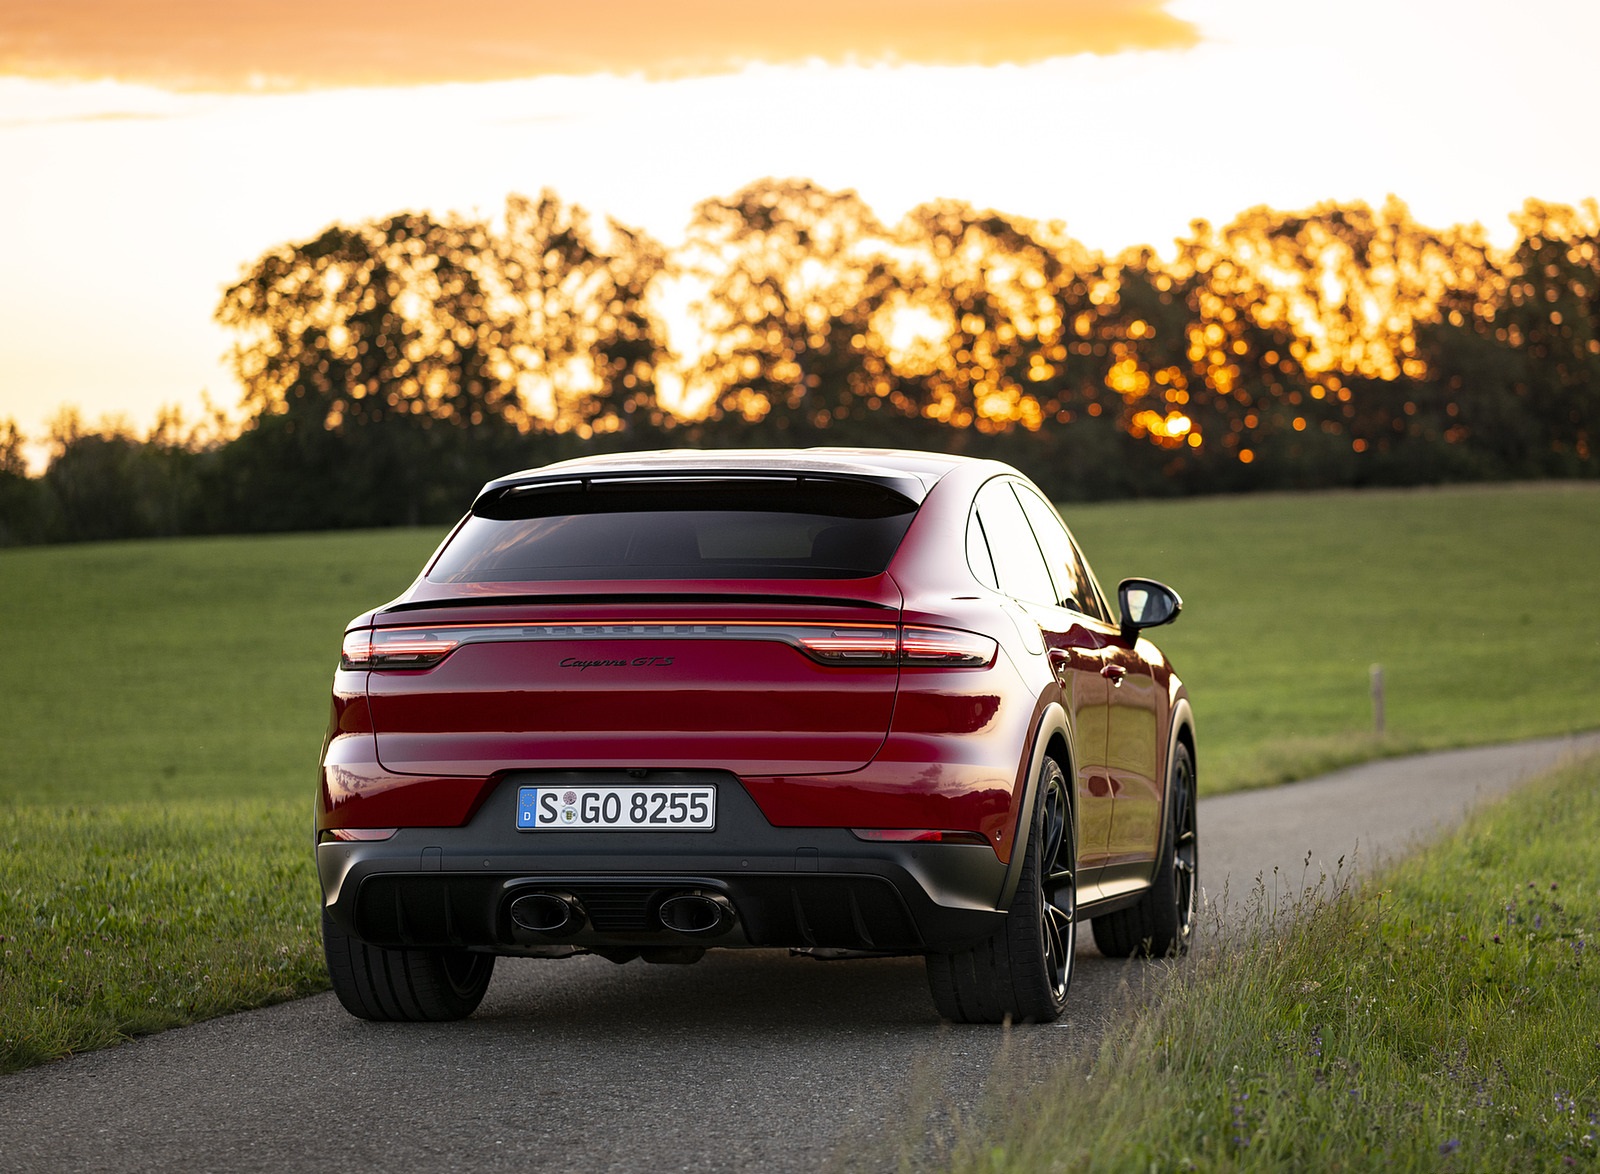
pixel 405 985
pixel 1162 923
pixel 1021 973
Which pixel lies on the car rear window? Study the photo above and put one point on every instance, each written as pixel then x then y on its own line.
pixel 779 528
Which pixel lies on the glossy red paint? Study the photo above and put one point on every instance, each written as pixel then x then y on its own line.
pixel 1138 723
pixel 936 760
pixel 747 706
pixel 1119 697
pixel 357 792
pixel 351 714
pixel 955 758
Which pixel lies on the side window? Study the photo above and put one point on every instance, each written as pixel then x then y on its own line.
pixel 1072 581
pixel 1094 597
pixel 1018 565
pixel 978 557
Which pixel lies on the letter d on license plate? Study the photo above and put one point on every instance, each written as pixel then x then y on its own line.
pixel 549 809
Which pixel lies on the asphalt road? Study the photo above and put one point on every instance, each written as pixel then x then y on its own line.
pixel 745 1060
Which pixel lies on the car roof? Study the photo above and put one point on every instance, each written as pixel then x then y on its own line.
pixel 909 473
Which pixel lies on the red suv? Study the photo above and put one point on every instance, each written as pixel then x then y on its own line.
pixel 843 701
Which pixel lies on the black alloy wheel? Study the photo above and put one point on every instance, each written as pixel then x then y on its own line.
pixel 1023 970
pixel 1058 909
pixel 1162 923
pixel 1185 850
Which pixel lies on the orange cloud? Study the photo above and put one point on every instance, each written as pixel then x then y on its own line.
pixel 301 44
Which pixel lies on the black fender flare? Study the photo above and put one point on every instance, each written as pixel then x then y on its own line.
pixel 1052 722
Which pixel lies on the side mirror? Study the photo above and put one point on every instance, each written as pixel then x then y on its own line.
pixel 1146 604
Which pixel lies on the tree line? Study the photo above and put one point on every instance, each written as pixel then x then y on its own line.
pixel 390 367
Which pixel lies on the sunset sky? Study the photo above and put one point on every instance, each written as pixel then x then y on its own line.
pixel 149 151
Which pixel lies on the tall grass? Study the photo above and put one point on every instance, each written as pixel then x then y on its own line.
pixel 1445 1015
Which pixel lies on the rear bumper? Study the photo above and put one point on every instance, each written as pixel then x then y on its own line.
pixel 788 887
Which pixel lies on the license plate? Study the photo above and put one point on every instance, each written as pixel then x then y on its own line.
pixel 541 809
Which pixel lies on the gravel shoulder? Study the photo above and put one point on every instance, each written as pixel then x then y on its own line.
pixel 746 1059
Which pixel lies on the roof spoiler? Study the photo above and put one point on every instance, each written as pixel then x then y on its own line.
pixel 507 496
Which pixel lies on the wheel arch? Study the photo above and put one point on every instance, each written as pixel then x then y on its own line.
pixel 1181 732
pixel 1052 739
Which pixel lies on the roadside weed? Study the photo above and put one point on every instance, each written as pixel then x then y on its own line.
pixel 1442 1016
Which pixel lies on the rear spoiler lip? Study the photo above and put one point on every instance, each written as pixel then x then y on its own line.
pixel 903 485
pixel 590 599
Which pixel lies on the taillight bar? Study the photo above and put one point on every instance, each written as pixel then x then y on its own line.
pixel 831 644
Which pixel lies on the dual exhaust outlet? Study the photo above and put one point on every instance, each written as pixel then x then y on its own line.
pixel 693 912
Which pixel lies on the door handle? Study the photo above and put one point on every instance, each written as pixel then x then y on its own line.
pixel 1114 673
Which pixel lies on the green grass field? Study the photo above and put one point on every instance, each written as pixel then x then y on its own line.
pixel 193 668
pixel 166 700
pixel 1477 602
pixel 1440 1017
pixel 120 919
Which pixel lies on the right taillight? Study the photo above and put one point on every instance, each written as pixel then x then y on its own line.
pixel 946 646
pixel 918 646
pixel 847 645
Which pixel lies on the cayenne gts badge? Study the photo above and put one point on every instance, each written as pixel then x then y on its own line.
pixel 637 662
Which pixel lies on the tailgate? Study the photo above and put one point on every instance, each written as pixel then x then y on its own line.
pixel 765 689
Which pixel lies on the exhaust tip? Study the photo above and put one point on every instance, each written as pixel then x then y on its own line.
pixel 698 914
pixel 548 912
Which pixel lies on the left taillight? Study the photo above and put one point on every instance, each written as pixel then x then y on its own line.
pixel 396 648
pixel 921 647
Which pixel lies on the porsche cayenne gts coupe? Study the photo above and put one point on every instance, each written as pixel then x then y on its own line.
pixel 842 701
